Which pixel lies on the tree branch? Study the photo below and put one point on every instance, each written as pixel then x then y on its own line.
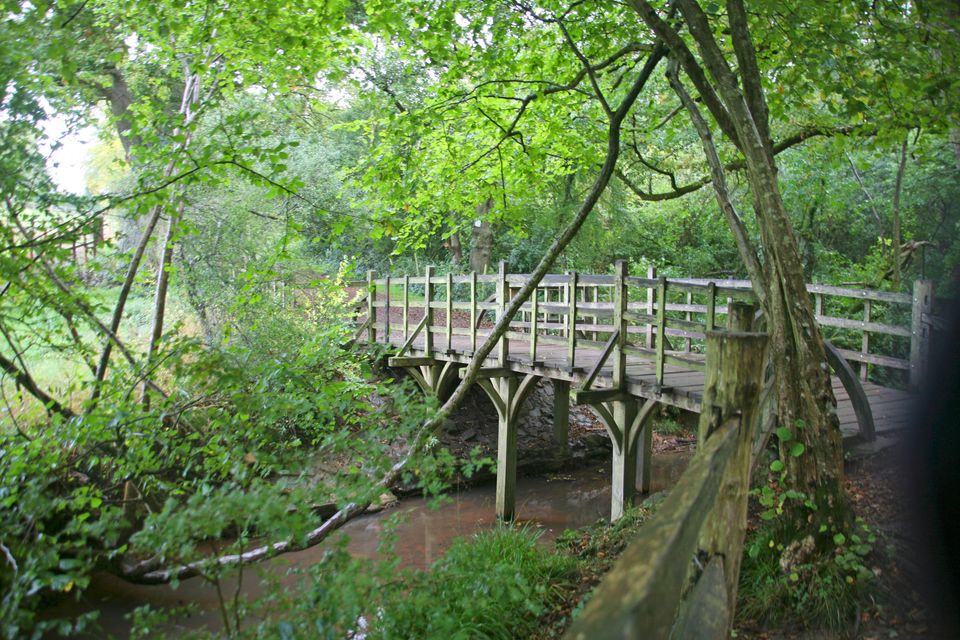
pixel 25 380
pixel 146 571
pixel 744 246
pixel 691 67
pixel 735 165
pixel 749 70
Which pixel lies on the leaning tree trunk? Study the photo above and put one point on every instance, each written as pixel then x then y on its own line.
pixel 804 393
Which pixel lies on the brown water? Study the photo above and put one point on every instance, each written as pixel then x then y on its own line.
pixel 552 504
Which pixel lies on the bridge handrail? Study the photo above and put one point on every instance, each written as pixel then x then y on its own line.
pixel 703 517
pixel 690 308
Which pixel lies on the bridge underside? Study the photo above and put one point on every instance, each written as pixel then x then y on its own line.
pixel 624 413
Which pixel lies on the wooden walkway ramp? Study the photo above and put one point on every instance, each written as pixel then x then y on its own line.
pixel 624 345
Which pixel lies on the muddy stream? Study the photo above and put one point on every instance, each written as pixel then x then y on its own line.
pixel 552 503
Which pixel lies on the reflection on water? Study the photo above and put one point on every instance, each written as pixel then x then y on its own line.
pixel 552 503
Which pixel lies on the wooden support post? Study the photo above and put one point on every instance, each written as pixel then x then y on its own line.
pixel 920 333
pixel 386 310
pixel 473 311
pixel 507 392
pixel 651 274
pixel 661 327
pixel 740 316
pixel 533 326
pixel 818 304
pixel 711 306
pixel 572 319
pixel 371 310
pixel 507 452
pixel 865 341
pixel 624 478
pixel 620 301
pixel 561 415
pixel 449 327
pixel 406 307
pixel 687 343
pixel 734 377
pixel 503 292
pixel 595 298
pixel 644 447
pixel 428 311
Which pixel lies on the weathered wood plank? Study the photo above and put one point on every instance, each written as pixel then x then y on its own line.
pixel 639 596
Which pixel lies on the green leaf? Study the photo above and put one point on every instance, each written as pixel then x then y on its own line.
pixel 776 466
pixel 839 539
pixel 797 450
pixel 784 434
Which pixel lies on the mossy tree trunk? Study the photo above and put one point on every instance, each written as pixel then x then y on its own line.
pixel 804 392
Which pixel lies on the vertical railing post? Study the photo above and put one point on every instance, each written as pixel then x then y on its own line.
pixel 533 325
pixel 473 311
pixel 688 343
pixel 651 274
pixel 661 327
pixel 572 319
pixel 920 333
pixel 406 307
pixel 449 312
pixel 620 324
pixel 386 310
pixel 503 350
pixel 371 310
pixel 865 341
pixel 711 307
pixel 740 316
pixel 428 310
pixel 734 373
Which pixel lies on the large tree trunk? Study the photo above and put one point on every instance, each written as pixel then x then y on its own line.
pixel 803 387
pixel 481 246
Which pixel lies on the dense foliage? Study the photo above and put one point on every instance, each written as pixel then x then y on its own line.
pixel 175 343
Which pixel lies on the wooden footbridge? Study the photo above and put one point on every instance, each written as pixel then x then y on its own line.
pixel 624 345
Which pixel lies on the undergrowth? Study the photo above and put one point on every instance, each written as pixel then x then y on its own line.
pixel 797 585
pixel 495 584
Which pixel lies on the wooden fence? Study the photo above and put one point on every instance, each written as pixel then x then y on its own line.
pixel 666 318
pixel 679 576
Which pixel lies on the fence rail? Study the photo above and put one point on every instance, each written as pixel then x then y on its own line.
pixel 666 319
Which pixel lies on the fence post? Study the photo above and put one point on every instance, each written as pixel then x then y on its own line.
pixel 620 324
pixel 572 319
pixel 651 274
pixel 449 313
pixel 920 333
pixel 711 307
pixel 503 350
pixel 406 307
pixel 865 342
pixel 661 327
pixel 428 311
pixel 734 378
pixel 533 326
pixel 386 310
pixel 740 316
pixel 473 311
pixel 371 310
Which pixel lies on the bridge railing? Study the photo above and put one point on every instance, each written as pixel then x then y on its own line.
pixel 666 319
pixel 679 576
